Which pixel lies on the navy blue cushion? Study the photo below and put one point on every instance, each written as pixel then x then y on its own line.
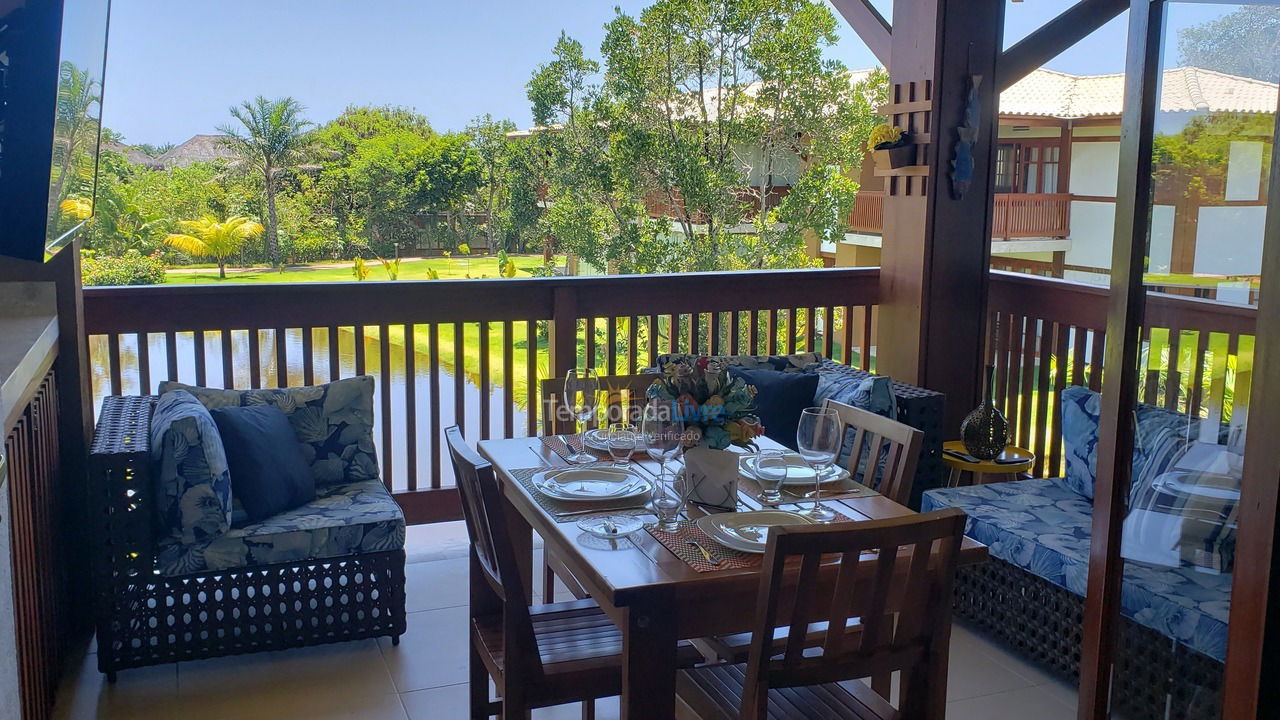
pixel 780 398
pixel 269 474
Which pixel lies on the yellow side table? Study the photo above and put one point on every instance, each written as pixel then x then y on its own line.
pixel 980 470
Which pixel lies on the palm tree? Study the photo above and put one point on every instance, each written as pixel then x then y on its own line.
pixel 218 240
pixel 272 140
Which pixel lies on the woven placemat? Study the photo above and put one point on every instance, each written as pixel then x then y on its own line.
pixel 678 543
pixel 842 490
pixel 568 510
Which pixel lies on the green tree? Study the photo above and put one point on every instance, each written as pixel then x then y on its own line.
pixel 75 130
pixel 272 139
pixel 493 156
pixel 209 237
pixel 1243 42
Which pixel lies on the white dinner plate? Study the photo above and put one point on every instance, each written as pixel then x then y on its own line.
pixel 747 531
pixel 588 484
pixel 799 473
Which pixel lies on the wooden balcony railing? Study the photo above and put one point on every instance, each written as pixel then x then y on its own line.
pixel 1017 215
pixel 473 352
pixel 1045 335
pixel 469 352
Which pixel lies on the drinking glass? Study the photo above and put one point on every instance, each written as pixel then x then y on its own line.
pixel 622 442
pixel 818 440
pixel 771 471
pixel 581 396
pixel 663 437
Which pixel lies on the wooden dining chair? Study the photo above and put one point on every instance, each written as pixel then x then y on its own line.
pixel 893 576
pixel 871 434
pixel 623 400
pixel 537 656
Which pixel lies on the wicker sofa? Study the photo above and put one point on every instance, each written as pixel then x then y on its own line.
pixel 1030 594
pixel 176 580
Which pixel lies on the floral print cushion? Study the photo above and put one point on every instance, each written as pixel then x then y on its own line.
pixel 192 484
pixel 1043 526
pixel 1162 437
pixel 346 519
pixel 334 423
pixel 873 393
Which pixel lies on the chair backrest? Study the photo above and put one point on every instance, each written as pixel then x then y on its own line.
pixel 492 553
pixel 875 436
pixel 623 399
pixel 893 579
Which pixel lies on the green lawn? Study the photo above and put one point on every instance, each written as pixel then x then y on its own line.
pixel 476 266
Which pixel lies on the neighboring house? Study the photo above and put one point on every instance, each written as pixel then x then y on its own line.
pixel 200 148
pixel 1056 169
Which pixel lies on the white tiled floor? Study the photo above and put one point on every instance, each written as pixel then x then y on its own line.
pixel 425 677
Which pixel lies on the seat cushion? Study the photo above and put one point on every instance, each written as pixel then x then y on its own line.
pixel 192 483
pixel 358 517
pixel 715 692
pixel 873 393
pixel 333 422
pixel 780 399
pixel 1043 526
pixel 268 471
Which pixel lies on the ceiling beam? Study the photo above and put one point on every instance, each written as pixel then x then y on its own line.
pixel 869 24
pixel 1060 33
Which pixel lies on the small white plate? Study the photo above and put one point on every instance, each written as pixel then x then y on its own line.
pixel 798 474
pixel 748 531
pixel 589 484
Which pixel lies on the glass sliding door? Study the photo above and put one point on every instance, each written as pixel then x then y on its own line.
pixel 1174 420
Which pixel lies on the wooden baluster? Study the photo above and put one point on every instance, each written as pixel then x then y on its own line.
pixel 171 354
pixel 255 359
pixel 695 321
pixel 611 348
pixel 508 380
pixel 1031 332
pixel 1000 359
pixel 734 331
pixel 144 364
pixel 308 357
pixel 1014 391
pixel 335 357
pixel 1079 346
pixel 1054 408
pixel 673 333
pixel 847 357
pixel 868 335
pixel 459 379
pixel 753 330
pixel 810 329
pixel 1151 384
pixel 773 332
pixel 228 370
pixel 282 359
pixel 1096 362
pixel 113 355
pixel 411 406
pixel 197 345
pixel 828 331
pixel 1197 380
pixel 1173 383
pixel 589 327
pixel 433 404
pixel 653 341
pixel 486 401
pixel 632 321
pixel 793 326
pixel 534 402
pixel 359 349
pixel 384 398
pixel 1045 404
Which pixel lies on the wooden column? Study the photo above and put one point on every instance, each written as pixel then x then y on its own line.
pixel 934 264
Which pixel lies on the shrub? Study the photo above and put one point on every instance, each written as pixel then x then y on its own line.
pixel 131 268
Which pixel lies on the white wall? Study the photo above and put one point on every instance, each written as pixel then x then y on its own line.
pixel 1092 225
pixel 1094 167
pixel 1229 240
pixel 1244 170
pixel 1160 254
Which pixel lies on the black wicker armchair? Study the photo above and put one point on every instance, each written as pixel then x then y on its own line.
pixel 145 617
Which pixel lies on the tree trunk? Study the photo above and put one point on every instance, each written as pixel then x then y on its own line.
pixel 222 270
pixel 273 242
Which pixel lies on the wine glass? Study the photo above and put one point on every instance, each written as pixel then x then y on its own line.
pixel 581 396
pixel 663 437
pixel 818 440
pixel 770 472
pixel 622 442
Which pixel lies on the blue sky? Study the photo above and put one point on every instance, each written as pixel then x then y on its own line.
pixel 175 66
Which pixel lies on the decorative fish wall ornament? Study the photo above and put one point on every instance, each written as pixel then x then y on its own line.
pixel 966 138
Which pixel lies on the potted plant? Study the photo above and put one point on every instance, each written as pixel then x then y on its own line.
pixel 892 147
pixel 717 410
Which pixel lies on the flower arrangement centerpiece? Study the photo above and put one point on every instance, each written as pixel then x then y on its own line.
pixel 891 146
pixel 716 407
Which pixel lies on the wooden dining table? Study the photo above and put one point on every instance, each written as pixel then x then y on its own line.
pixel 653 596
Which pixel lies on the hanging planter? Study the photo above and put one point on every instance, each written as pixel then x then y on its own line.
pixel 892 148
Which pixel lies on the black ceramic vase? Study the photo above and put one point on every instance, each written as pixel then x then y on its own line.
pixel 985 432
